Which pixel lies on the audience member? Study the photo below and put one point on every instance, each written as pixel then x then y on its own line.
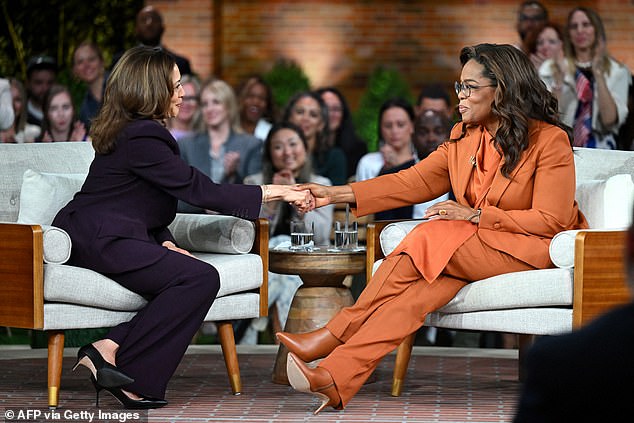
pixel 547 42
pixel 6 105
pixel 286 162
pixel 21 131
pixel 431 128
pixel 221 151
pixel 509 122
pixel 308 111
pixel 434 97
pixel 257 112
pixel 341 132
pixel 396 129
pixel 530 16
pixel 188 121
pixel 590 85
pixel 149 30
pixel 60 121
pixel 88 67
pixel 586 375
pixel 41 72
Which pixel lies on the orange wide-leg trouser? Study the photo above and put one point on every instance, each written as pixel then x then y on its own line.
pixel 394 304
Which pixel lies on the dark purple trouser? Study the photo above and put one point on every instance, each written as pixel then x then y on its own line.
pixel 180 290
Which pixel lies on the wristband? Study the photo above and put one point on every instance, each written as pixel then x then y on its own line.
pixel 266 192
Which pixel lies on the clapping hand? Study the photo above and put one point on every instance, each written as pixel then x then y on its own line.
pixel 597 59
pixel 231 160
pixel 537 60
pixel 79 131
pixel 284 177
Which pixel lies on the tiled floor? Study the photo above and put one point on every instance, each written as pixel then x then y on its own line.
pixel 443 385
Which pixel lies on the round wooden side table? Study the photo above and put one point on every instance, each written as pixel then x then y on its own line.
pixel 321 295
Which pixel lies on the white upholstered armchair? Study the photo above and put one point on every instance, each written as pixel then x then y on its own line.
pixel 39 291
pixel 588 277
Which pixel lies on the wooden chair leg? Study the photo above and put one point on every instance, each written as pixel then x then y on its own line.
pixel 525 341
pixel 276 325
pixel 55 356
pixel 403 354
pixel 228 344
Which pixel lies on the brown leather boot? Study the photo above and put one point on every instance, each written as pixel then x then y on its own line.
pixel 317 381
pixel 309 346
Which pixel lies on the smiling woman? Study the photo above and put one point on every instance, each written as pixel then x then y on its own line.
pixel 220 149
pixel 286 161
pixel 118 224
pixel 88 67
pixel 591 86
pixel 501 221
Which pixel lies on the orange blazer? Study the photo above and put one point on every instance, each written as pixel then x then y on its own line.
pixel 525 211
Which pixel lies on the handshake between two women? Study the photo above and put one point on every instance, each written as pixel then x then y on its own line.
pixel 309 196
pixel 304 198
pixel 315 195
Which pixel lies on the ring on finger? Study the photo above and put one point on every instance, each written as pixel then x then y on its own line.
pixel 442 212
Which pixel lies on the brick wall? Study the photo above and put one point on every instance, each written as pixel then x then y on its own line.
pixel 340 42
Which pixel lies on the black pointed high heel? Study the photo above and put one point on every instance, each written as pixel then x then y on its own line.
pixel 105 374
pixel 126 401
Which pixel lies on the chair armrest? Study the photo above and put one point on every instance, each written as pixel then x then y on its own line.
pixel 599 274
pixel 21 276
pixel 261 248
pixel 373 250
pixel 562 246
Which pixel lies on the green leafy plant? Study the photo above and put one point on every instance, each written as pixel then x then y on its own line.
pixel 286 78
pixel 384 83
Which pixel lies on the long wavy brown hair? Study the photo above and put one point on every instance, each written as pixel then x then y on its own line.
pixel 520 95
pixel 139 87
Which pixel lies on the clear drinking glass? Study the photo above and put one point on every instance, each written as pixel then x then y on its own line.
pixel 302 235
pixel 346 236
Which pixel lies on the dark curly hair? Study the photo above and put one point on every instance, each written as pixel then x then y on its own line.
pixel 520 95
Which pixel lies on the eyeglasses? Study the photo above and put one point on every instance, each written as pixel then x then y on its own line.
pixel 464 88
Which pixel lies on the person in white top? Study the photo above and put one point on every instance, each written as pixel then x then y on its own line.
pixel 396 127
pixel 286 161
pixel 590 85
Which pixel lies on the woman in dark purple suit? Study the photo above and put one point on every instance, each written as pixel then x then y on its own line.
pixel 118 226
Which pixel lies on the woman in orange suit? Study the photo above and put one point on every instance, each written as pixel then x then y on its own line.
pixel 509 163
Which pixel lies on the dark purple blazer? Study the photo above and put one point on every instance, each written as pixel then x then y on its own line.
pixel 119 219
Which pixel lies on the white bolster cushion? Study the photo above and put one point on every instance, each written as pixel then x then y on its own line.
pixel 393 234
pixel 562 249
pixel 562 246
pixel 57 245
pixel 213 233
